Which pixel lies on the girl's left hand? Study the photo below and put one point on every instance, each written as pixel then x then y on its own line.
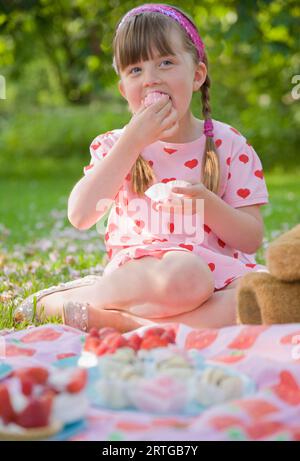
pixel 179 203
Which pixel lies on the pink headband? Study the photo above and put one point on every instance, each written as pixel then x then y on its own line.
pixel 187 25
pixel 176 15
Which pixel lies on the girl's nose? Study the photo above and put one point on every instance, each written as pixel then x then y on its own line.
pixel 151 78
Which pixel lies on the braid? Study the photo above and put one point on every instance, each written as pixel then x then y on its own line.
pixel 142 176
pixel 211 162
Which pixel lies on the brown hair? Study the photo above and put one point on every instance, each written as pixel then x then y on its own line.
pixel 135 41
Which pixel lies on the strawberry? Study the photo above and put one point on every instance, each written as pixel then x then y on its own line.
pixel 170 335
pixel 37 375
pixel 152 342
pixel 154 331
pixel 7 412
pixel 91 344
pixel 78 381
pixel 102 349
pixel 134 341
pixel 94 333
pixel 26 385
pixel 114 340
pixel 37 412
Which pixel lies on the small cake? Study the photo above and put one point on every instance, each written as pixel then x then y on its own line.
pixel 161 394
pixel 110 393
pixel 214 385
pixel 153 97
pixel 36 402
pixel 162 192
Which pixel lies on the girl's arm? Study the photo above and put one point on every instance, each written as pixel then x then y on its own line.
pixel 242 229
pixel 102 184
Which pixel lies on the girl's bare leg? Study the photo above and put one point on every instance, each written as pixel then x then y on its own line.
pixel 217 312
pixel 177 283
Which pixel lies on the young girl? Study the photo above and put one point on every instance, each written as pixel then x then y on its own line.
pixel 155 276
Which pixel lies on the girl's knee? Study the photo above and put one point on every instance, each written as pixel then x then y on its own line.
pixel 189 282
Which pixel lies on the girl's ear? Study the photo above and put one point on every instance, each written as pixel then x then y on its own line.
pixel 200 76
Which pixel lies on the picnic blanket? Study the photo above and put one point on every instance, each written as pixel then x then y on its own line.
pixel 270 355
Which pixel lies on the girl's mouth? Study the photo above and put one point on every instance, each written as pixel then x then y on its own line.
pixel 153 97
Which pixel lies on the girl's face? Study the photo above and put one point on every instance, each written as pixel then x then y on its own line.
pixel 175 75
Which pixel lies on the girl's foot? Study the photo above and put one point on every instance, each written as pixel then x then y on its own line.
pixel 84 317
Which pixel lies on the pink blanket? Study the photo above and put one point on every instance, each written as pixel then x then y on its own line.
pixel 269 355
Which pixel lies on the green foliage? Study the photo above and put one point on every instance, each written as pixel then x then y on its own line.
pixel 57 56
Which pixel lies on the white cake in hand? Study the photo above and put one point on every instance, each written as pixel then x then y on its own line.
pixel 162 192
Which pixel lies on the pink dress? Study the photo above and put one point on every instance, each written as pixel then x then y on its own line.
pixel 131 232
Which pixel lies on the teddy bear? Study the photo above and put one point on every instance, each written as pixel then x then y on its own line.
pixel 274 296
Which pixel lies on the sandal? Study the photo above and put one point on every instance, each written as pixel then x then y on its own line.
pixel 25 311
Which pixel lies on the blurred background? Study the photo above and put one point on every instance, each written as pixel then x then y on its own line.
pixel 58 91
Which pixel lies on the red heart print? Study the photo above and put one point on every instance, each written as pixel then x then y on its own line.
pixel 235 131
pixel 119 211
pixel 150 163
pixel 244 158
pixel 106 236
pixel 188 247
pixel 104 154
pixel 109 253
pixel 235 255
pixel 88 167
pixel 171 227
pixel 228 281
pixel 229 176
pixel 207 229
pixel 211 266
pixel 259 174
pixel 147 241
pixel 228 160
pixel 128 177
pixel 165 180
pixel 124 238
pixel 140 223
pixel 218 142
pixel 251 265
pixel 169 151
pixel 243 192
pixel 138 230
pixel 191 163
pixel 221 243
pixel 112 227
pixel 96 145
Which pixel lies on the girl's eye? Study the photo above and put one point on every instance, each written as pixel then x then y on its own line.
pixel 166 60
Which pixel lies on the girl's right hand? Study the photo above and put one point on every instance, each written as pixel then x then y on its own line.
pixel 158 121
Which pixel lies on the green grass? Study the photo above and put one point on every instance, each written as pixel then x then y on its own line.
pixel 40 248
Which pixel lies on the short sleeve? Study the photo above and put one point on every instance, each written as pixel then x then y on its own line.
pixel 245 183
pixel 99 148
